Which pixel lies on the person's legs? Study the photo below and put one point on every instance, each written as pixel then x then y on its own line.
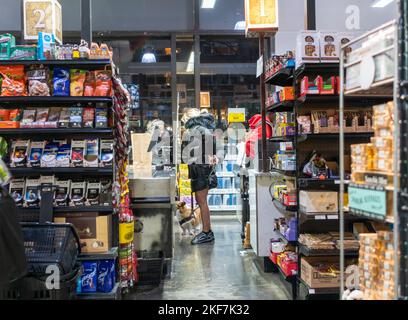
pixel 201 197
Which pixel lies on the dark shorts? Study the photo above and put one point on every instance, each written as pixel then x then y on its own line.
pixel 200 176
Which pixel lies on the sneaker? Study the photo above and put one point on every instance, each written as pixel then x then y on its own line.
pixel 203 238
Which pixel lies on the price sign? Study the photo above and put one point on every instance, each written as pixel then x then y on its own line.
pixel 236 115
pixel 368 200
pixel 42 16
pixel 261 15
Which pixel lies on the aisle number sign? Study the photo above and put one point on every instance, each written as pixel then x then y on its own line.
pixel 236 115
pixel 42 15
pixel 261 15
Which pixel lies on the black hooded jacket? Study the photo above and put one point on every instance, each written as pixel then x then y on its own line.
pixel 198 141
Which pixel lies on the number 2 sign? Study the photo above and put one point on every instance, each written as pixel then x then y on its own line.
pixel 42 16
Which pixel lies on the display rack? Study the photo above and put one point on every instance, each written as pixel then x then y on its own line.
pixel 378 91
pixel 22 102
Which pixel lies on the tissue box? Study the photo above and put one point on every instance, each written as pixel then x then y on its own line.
pixel 318 201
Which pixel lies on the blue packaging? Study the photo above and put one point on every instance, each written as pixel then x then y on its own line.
pixel 227 183
pixel 61 82
pixel 220 183
pixel 105 279
pixel 89 278
pixel 46 46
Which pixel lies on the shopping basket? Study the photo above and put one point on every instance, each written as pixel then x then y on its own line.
pixel 50 244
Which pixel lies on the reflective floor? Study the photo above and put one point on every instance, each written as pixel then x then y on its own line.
pixel 216 271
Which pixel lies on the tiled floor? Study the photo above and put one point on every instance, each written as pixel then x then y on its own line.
pixel 216 271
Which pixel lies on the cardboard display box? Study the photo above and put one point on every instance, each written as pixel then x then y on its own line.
pixel 319 201
pixel 313 277
pixel 94 231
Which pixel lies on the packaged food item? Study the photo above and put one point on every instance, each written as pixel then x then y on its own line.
pixel 53 117
pixel 308 47
pixel 84 50
pixel 63 156
pixel 305 125
pixel 24 53
pixel 88 117
pixel 77 153
pixel 38 78
pixel 329 46
pixel 92 193
pixel 106 275
pixel 91 153
pixel 19 153
pixel 75 118
pixel 94 51
pixel 36 152
pixel 62 191
pixel 77 82
pixel 16 190
pixel 64 118
pixel 61 82
pixel 32 192
pixel 106 153
pixel 15 115
pixel 105 197
pixel 7 43
pixel 46 46
pixel 13 81
pixel 4 114
pixel 101 117
pixel 49 157
pixel 103 85
pixel 77 196
pixel 41 117
pixel 89 278
pixel 89 85
pixel 28 119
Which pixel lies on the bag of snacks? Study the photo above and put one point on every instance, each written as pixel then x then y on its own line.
pixel 89 86
pixel 13 81
pixel 38 77
pixel 61 82
pixel 77 82
pixel 103 83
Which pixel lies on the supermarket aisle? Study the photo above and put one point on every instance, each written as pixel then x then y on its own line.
pixel 216 271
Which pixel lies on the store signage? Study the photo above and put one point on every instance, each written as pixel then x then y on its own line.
pixel 42 16
pixel 236 115
pixel 368 200
pixel 259 66
pixel 261 15
pixel 205 100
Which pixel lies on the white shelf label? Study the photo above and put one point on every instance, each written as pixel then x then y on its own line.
pixel 320 217
pixel 332 217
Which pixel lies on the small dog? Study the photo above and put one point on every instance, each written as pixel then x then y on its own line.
pixel 189 222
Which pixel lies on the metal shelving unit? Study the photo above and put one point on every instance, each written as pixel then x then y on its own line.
pixel 376 92
pixel 51 100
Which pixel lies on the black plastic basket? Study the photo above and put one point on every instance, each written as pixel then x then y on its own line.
pixel 150 265
pixel 50 244
pixel 30 288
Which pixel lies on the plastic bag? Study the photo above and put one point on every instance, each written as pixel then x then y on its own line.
pixel 103 83
pixel 61 82
pixel 38 78
pixel 77 82
pixel 13 81
pixel 89 86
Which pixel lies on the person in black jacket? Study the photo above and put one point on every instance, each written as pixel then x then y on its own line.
pixel 199 153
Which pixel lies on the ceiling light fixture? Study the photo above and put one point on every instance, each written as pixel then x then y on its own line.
pixel 207 4
pixel 190 63
pixel 381 3
pixel 148 56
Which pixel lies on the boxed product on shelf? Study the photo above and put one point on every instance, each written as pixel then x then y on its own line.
pixel 19 155
pixel 89 277
pixel 62 193
pixel 16 190
pixel 38 80
pixel 53 117
pixel 318 201
pixel 78 148
pixel 329 46
pixel 31 192
pixel 91 153
pixel 93 191
pixel 10 119
pixel 7 43
pixel 308 47
pixel 36 152
pixel 106 275
pixel 106 153
pixel 304 125
pixel 327 86
pixel 320 272
pixel 94 230
pixel 75 117
pixel 49 156
pixel 61 82
pixel 24 52
pixel 307 86
pixel 77 193
pixel 105 196
pixel 41 117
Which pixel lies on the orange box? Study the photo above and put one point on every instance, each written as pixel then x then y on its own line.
pixel 288 94
pixel 9 124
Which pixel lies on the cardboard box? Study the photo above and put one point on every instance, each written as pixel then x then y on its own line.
pixel 308 47
pixel 95 231
pixel 319 201
pixel 329 46
pixel 313 277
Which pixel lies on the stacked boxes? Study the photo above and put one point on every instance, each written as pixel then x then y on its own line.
pixel 184 184
pixel 376 265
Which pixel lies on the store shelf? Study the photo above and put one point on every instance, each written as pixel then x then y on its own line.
pixel 319 291
pixel 282 139
pixel 350 100
pixel 335 136
pixel 289 278
pixel 111 254
pixel 284 209
pixel 115 294
pixel 100 209
pixel 54 131
pixel 41 101
pixel 86 63
pixel 224 191
pixel 284 239
pixel 222 208
pixel 318 99
pixel 284 172
pixel 52 171
pixel 305 217
pixel 317 68
pixel 283 106
pixel 317 184
pixel 282 78
pixel 323 253
pixel 225 174
pixel 361 214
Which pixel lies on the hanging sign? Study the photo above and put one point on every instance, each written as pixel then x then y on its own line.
pixel 370 201
pixel 261 16
pixel 42 16
pixel 259 66
pixel 236 115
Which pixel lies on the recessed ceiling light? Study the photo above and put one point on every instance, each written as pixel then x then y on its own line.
pixel 381 3
pixel 208 4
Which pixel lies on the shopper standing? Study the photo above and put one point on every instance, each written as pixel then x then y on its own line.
pixel 199 153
